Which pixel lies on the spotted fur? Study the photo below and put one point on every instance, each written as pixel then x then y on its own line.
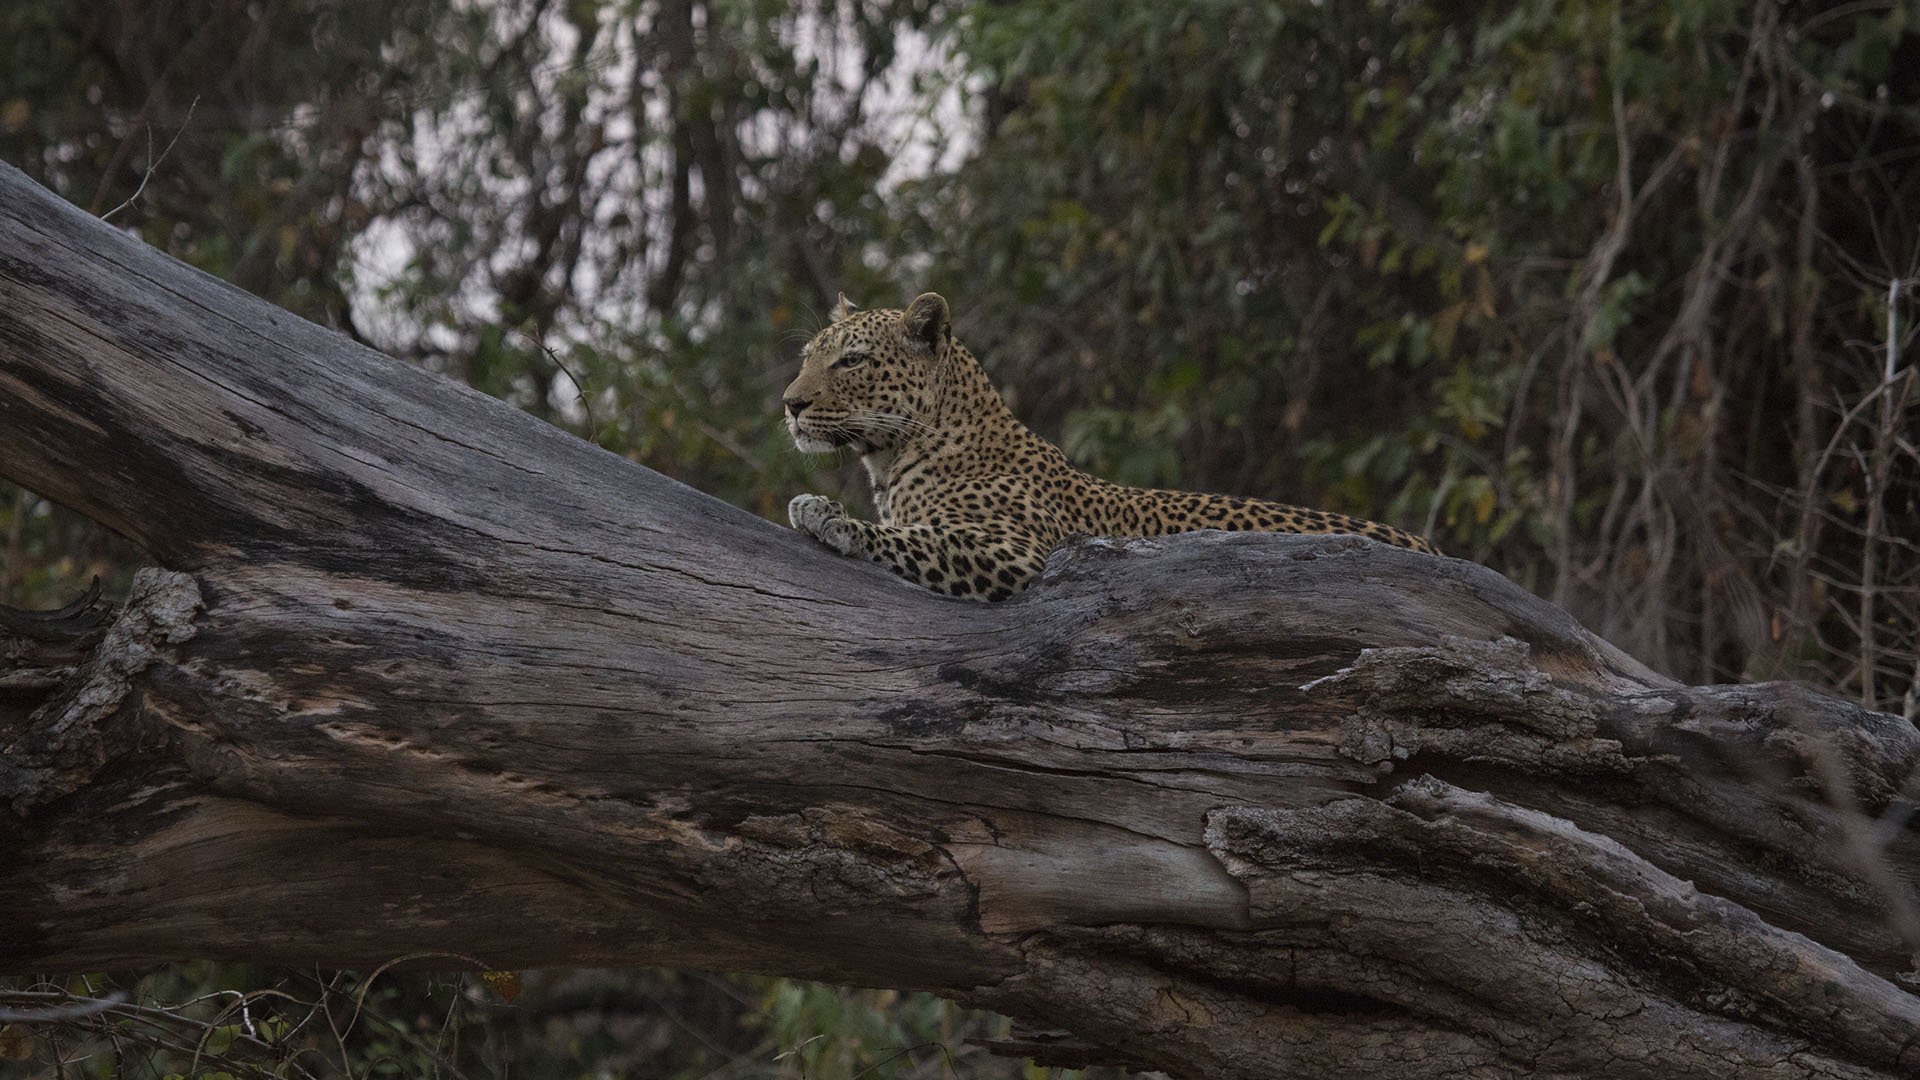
pixel 970 501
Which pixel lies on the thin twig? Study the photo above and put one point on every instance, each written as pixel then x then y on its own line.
pixel 153 162
pixel 579 390
pixel 1876 478
pixel 69 1008
pixel 1893 325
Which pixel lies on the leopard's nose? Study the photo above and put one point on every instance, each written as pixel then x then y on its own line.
pixel 797 405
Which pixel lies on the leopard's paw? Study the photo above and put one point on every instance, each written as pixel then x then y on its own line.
pixel 823 519
pixel 808 512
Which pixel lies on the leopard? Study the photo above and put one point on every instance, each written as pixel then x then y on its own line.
pixel 970 500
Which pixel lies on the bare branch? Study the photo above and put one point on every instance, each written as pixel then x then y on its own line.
pixel 153 163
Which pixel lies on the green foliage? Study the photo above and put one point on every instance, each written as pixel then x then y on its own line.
pixel 875 1033
pixel 263 116
pixel 1504 274
pixel 48 555
pixel 247 1022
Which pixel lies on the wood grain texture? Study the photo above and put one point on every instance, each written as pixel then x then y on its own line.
pixel 416 673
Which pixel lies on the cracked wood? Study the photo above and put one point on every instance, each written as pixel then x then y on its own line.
pixel 416 673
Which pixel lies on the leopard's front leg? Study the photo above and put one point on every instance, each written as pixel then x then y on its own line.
pixel 976 562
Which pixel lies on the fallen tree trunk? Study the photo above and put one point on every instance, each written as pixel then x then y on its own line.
pixel 416 673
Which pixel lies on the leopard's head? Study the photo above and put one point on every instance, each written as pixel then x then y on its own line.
pixel 869 379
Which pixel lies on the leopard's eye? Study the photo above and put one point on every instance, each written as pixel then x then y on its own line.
pixel 852 359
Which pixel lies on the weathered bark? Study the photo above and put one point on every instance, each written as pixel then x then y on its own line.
pixel 421 674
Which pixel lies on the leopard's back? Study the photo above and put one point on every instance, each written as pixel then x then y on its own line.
pixel 970 500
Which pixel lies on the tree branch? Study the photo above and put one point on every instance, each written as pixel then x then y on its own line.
pixel 416 673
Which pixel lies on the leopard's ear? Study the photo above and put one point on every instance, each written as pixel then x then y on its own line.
pixel 926 321
pixel 843 308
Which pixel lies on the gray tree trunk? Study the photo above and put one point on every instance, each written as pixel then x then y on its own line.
pixel 416 673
